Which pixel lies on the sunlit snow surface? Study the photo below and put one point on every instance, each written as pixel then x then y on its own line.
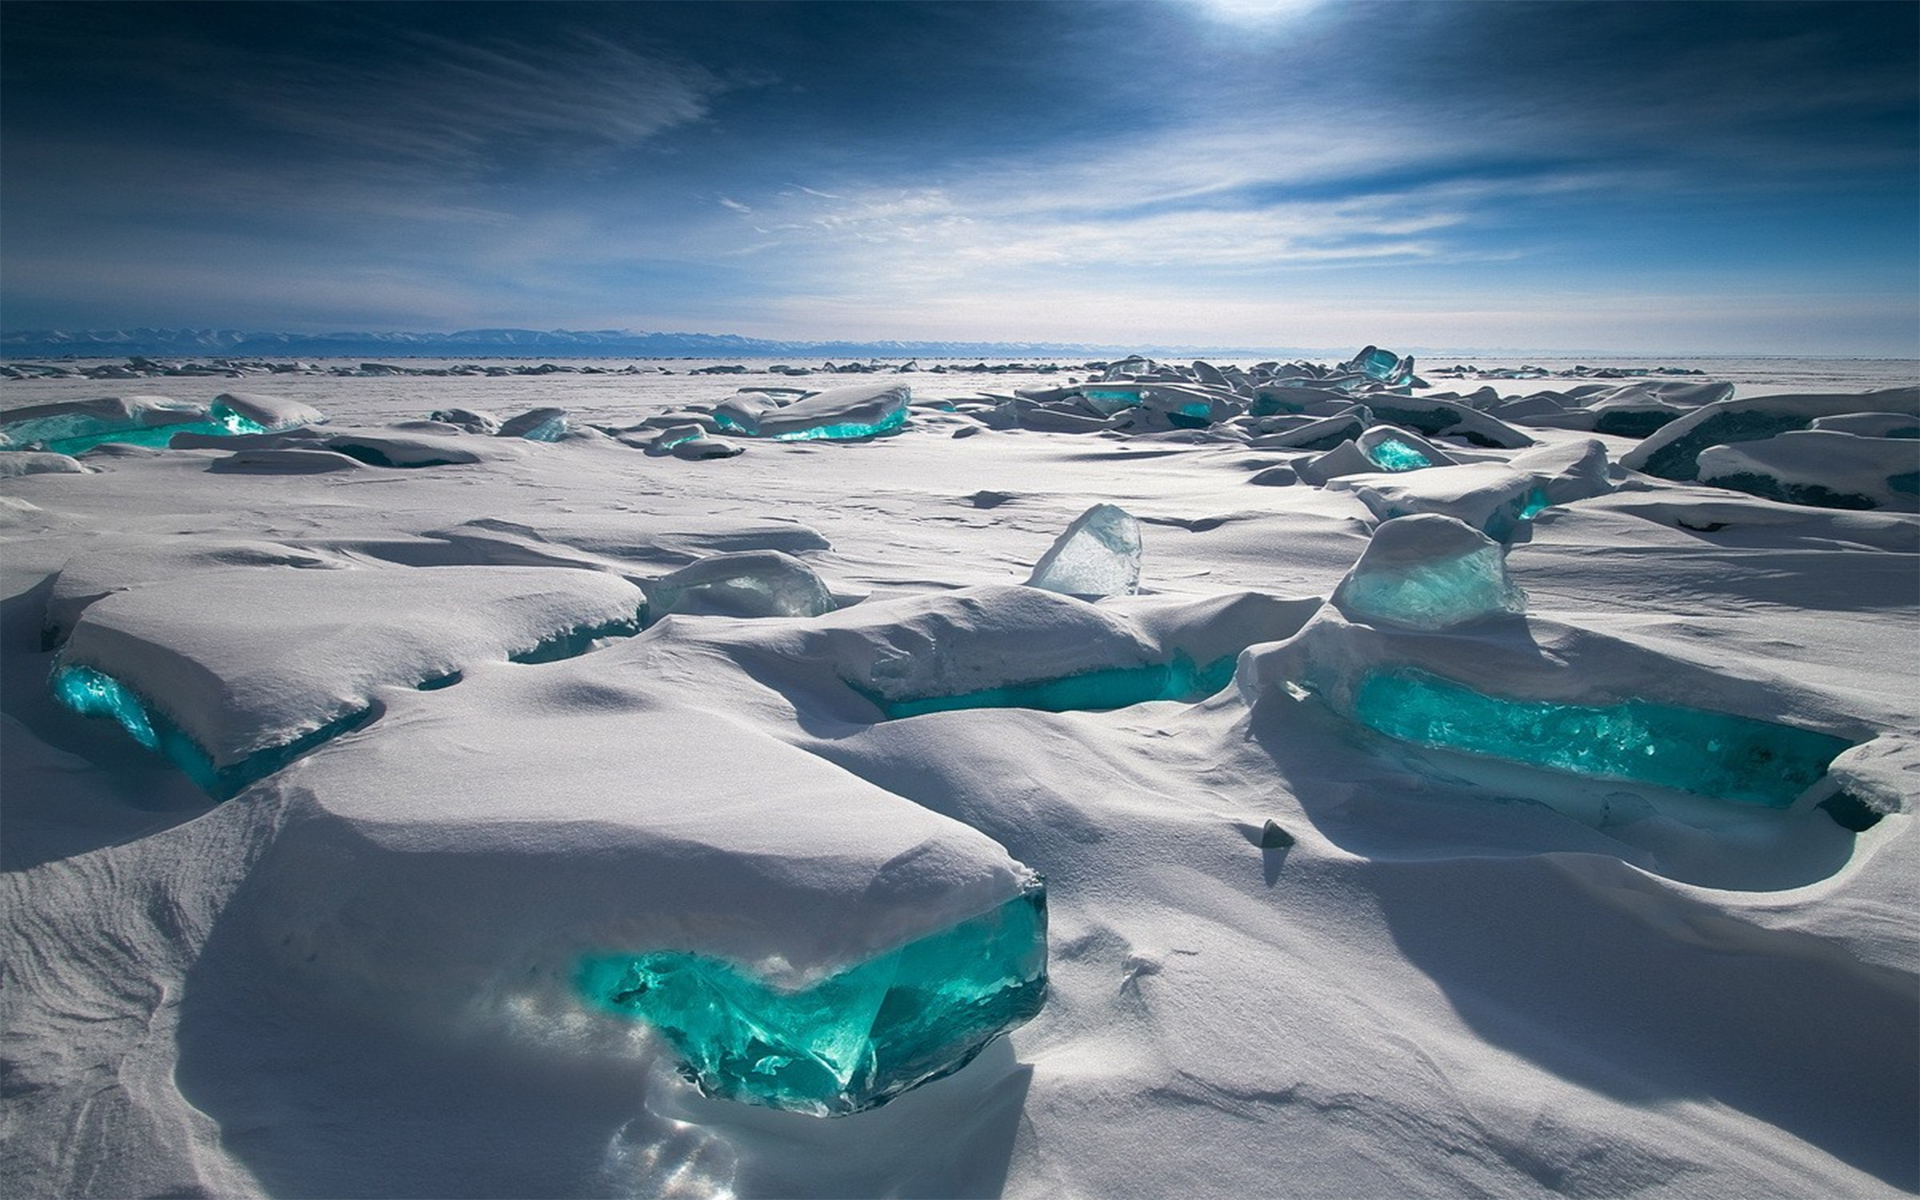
pixel 1383 896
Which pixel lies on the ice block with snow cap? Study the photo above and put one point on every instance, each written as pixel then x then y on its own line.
pixel 1428 571
pixel 1097 555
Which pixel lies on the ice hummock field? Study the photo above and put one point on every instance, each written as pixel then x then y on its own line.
pixel 1319 703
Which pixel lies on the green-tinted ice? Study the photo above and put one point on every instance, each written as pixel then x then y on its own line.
pixel 1688 749
pixel 851 1041
pixel 846 431
pixel 93 693
pixel 1094 691
pixel 223 422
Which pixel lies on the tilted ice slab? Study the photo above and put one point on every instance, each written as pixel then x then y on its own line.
pixel 1564 700
pixel 1429 572
pixel 1819 467
pixel 749 583
pixel 69 427
pixel 1097 555
pixel 861 410
pixel 536 425
pixel 1391 449
pixel 1673 452
pixel 1438 418
pixel 252 666
pixel 1629 410
pixel 519 859
pixel 270 413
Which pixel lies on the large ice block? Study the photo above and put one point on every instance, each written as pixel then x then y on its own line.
pixel 70 427
pixel 1428 572
pixel 1097 555
pixel 837 414
pixel 1691 750
pixel 853 1040
pixel 750 583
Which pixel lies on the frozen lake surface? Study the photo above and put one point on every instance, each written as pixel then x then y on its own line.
pixel 1562 845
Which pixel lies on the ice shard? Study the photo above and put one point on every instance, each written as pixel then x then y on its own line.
pixel 1097 555
pixel 1691 750
pixel 853 1040
pixel 1428 572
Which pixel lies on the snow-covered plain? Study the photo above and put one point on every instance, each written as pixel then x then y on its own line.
pixel 1435 974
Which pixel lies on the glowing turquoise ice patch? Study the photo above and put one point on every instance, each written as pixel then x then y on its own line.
pixel 93 693
pixel 225 423
pixel 1392 454
pixel 855 1039
pixel 1094 691
pixel 1434 595
pixel 1536 503
pixel 1108 401
pixel 1691 750
pixel 843 431
pixel 571 643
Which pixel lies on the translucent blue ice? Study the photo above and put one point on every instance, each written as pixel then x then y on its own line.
pixel 846 431
pixel 1428 572
pixel 73 433
pixel 1692 750
pixel 1093 691
pixel 852 1041
pixel 1097 555
pixel 1392 454
pixel 94 693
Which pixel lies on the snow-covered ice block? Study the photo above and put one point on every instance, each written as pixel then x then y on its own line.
pixel 413 449
pixel 1272 399
pixel 1429 572
pixel 749 583
pixel 1443 418
pixel 1097 555
pixel 585 850
pixel 469 420
pixel 70 426
pixel 1381 365
pixel 253 667
pixel 624 540
pixel 1317 433
pixel 1870 424
pixel 536 425
pixel 1344 459
pixel 1564 699
pixel 857 411
pixel 271 413
pixel 1491 497
pixel 1567 471
pixel 1823 468
pixel 288 460
pixel 1396 450
pixel 40 462
pixel 1674 451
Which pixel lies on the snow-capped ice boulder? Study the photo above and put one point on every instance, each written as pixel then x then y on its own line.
pixel 536 425
pixel 535 861
pixel 271 413
pixel 1490 497
pixel 469 420
pixel 410 450
pixel 1871 424
pixel 857 411
pixel 1674 451
pixel 1550 697
pixel 1313 433
pixel 1824 468
pixel 1097 555
pixel 1429 572
pixel 1443 418
pixel 1396 450
pixel 1344 459
pixel 747 583
pixel 1567 471
pixel 40 462
pixel 234 673
pixel 70 426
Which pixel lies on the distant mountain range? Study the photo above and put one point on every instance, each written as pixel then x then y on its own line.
pixel 495 343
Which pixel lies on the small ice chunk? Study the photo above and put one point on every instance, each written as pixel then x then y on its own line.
pixel 1097 555
pixel 71 426
pixel 1382 365
pixel 270 413
pixel 40 462
pixel 468 419
pixel 537 425
pixel 1428 572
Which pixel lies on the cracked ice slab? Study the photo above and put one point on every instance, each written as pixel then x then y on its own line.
pixel 251 660
pixel 484 851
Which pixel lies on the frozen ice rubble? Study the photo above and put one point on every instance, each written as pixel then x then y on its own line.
pixel 1097 555
pixel 1429 572
pixel 855 1039
pixel 799 938
pixel 232 673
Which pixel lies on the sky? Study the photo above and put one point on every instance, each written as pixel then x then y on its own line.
pixel 1673 177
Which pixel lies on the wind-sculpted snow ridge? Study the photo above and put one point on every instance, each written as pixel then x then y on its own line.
pixel 234 673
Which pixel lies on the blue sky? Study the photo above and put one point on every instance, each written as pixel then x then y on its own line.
pixel 1670 177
